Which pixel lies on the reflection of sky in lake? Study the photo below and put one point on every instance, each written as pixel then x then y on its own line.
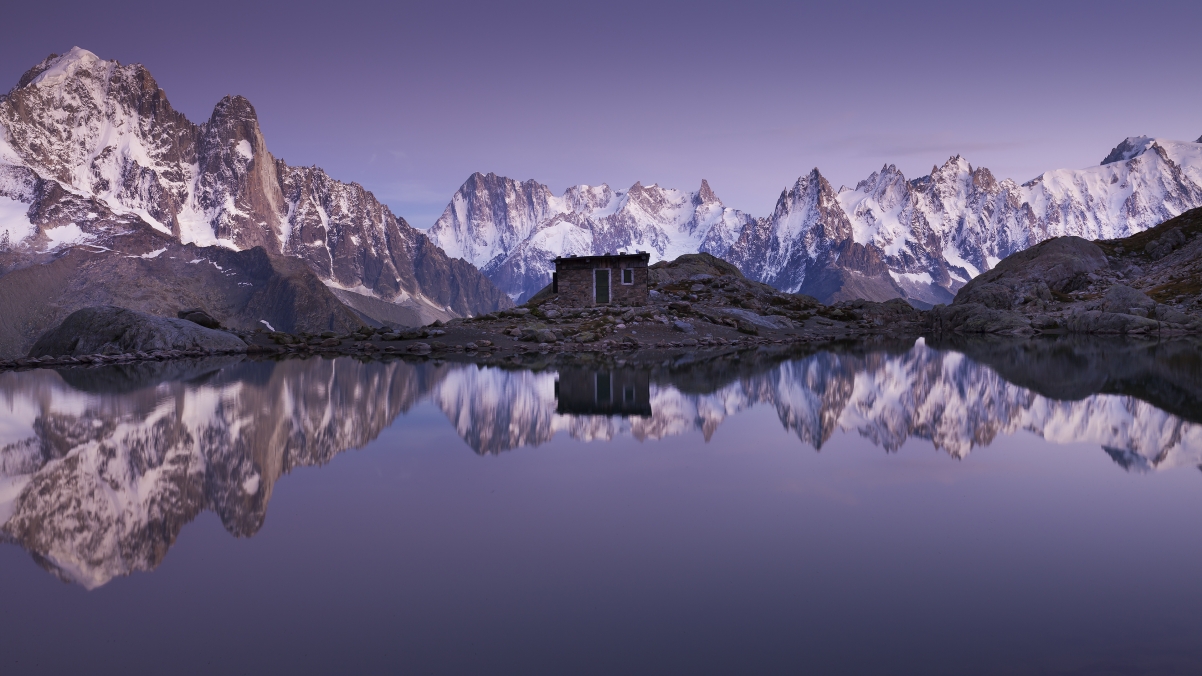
pixel 656 551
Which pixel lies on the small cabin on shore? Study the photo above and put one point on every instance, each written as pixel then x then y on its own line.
pixel 612 279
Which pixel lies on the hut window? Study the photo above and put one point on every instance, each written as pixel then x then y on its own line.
pixel 628 275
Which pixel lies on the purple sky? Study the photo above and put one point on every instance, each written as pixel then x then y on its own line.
pixel 409 100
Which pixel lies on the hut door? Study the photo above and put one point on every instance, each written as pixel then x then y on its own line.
pixel 602 285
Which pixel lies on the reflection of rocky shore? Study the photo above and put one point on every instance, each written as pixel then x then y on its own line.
pixel 1064 391
pixel 101 468
pixel 1167 374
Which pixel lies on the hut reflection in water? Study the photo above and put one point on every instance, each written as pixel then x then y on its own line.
pixel 620 392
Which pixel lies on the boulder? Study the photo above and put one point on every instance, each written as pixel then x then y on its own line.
pixel 1164 245
pixel 114 330
pixel 1061 264
pixel 696 267
pixel 754 319
pixel 1094 321
pixel 1166 313
pixel 1126 300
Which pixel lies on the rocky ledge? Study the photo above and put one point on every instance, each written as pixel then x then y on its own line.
pixel 108 334
pixel 1146 284
pixel 698 303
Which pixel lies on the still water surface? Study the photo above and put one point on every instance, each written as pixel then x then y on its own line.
pixel 992 510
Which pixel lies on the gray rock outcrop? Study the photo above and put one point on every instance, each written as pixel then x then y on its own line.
pixel 1126 300
pixel 242 290
pixel 115 330
pixel 1146 284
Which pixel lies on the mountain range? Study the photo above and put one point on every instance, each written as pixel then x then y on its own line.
pixel 889 236
pixel 108 195
pixel 94 158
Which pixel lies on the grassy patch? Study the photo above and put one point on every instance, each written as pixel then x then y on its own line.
pixel 1183 286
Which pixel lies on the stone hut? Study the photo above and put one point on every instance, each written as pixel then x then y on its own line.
pixel 612 279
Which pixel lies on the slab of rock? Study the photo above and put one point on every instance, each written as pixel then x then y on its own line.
pixel 114 330
pixel 1062 264
pixel 977 318
pixel 762 321
pixel 1123 323
pixel 1126 300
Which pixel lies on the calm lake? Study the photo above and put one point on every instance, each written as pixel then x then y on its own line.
pixel 982 508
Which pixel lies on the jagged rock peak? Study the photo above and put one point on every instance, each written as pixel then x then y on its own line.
pixel 1128 148
pixel 234 107
pixel 705 194
pixel 956 164
pixel 59 66
pixel 889 172
pixel 813 181
pixel 35 71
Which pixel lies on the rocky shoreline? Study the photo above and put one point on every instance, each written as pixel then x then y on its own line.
pixel 698 304
pixel 460 341
pixel 1145 286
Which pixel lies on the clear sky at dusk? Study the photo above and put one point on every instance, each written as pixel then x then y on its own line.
pixel 409 99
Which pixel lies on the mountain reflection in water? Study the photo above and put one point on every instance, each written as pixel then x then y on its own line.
pixel 100 469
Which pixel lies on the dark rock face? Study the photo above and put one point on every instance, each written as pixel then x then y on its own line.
pixel 1146 284
pixel 115 330
pixel 801 236
pixel 242 290
pixel 101 158
pixel 199 316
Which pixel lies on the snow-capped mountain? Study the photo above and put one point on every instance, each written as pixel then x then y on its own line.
pixel 91 149
pixel 920 239
pixel 101 469
pixel 513 230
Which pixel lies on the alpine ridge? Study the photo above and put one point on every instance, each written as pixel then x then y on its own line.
pixel 889 236
pixel 93 155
